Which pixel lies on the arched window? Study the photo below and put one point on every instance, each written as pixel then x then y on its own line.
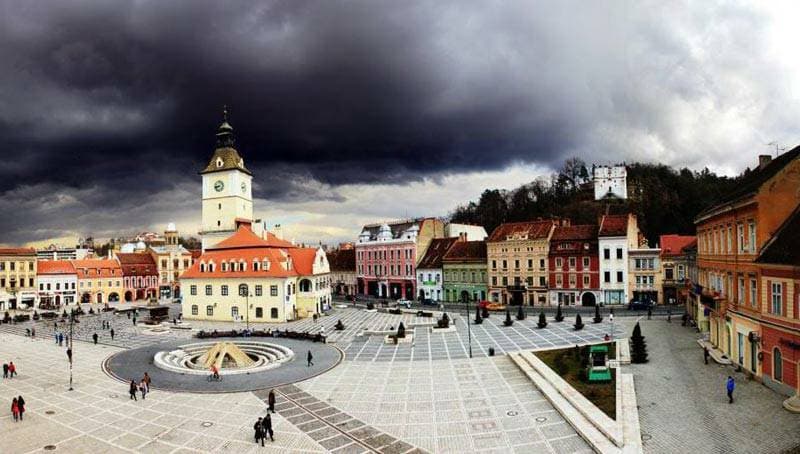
pixel 242 265
pixel 255 265
pixel 777 365
pixel 224 266
pixel 305 285
pixel 265 264
pixel 243 290
pixel 273 312
pixel 202 267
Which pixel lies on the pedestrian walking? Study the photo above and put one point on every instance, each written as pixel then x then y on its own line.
pixel 146 380
pixel 33 333
pixel 258 430
pixel 310 359
pixel 132 390
pixel 134 320
pixel 143 388
pixel 15 409
pixel 5 370
pixel 112 334
pixel 669 316
pixel 21 406
pixel 730 385
pixel 267 424
pixel 55 335
pixel 128 314
pixel 94 338
pixel 12 369
pixel 55 326
pixel 271 400
pixel 60 339
pixel 649 313
pixel 705 353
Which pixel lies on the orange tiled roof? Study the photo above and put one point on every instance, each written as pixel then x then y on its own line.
pixel 614 225
pixel 533 229
pixel 94 268
pixel 55 267
pixel 18 251
pixel 575 232
pixel 672 245
pixel 466 251
pixel 245 238
pixel 303 260
pixel 275 257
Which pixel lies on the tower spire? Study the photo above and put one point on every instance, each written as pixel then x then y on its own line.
pixel 225 132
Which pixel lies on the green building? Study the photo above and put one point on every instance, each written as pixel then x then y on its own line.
pixel 464 269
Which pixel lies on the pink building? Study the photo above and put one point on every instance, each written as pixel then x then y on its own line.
pixel 387 255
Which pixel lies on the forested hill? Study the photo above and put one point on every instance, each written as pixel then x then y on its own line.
pixel 664 199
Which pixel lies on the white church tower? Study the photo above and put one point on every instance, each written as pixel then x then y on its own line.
pixel 227 190
pixel 610 182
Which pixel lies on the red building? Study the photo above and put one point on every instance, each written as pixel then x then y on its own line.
pixel 139 276
pixel 574 265
pixel 780 317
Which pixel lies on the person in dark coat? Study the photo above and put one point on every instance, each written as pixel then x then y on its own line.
pixel 132 390
pixel 60 339
pixel 21 406
pixel 259 431
pixel 267 424
pixel 94 338
pixel 310 359
pixel 5 370
pixel 649 312
pixel 705 354
pixel 112 333
pixel 271 400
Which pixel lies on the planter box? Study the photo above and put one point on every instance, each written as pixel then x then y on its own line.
pixel 403 340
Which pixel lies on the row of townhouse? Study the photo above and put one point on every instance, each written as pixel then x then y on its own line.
pixel 747 289
pixel 545 262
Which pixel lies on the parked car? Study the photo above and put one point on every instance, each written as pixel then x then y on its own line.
pixel 404 303
pixel 428 302
pixel 641 305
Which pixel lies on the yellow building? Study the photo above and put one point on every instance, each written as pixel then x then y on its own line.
pixel 517 262
pixel 254 279
pixel 17 278
pixel 99 280
pixel 172 259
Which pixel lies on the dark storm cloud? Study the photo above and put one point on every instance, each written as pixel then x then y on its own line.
pixel 124 97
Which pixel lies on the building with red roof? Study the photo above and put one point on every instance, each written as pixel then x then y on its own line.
pixel 99 280
pixel 429 269
pixel 58 283
pixel 248 278
pixel 517 254
pixel 139 275
pixel 675 267
pixel 574 276
pixel 343 270
pixel 617 234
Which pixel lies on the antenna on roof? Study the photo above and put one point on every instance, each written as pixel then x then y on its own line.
pixel 778 148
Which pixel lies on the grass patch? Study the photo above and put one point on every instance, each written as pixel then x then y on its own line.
pixel 566 363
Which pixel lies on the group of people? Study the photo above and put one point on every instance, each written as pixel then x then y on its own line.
pixel 263 427
pixel 18 408
pixel 143 386
pixel 9 370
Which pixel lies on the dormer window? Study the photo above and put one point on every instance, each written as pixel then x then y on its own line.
pixel 255 265
pixel 266 265
pixel 202 267
pixel 242 266
pixel 220 162
pixel 224 266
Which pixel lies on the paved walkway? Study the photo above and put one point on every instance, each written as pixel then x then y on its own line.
pixel 684 408
pixel 458 406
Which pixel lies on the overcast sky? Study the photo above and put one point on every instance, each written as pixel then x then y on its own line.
pixel 355 111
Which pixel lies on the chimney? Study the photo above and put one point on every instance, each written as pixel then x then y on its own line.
pixel 763 160
pixel 278 232
pixel 462 236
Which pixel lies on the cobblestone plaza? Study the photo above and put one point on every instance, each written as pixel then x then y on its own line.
pixel 428 396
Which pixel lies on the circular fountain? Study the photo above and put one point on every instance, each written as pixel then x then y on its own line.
pixel 230 357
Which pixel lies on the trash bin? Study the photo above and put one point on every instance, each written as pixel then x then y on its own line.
pixel 491 351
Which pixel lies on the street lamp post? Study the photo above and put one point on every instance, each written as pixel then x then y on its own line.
pixel 465 299
pixel 244 290
pixel 71 337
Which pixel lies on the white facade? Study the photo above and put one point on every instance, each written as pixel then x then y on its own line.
pixel 58 289
pixel 473 232
pixel 227 196
pixel 429 281
pixel 613 253
pixel 610 181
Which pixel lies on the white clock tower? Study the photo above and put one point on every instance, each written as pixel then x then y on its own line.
pixel 227 190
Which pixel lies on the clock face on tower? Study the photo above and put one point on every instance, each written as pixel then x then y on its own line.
pixel 244 187
pixel 219 185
